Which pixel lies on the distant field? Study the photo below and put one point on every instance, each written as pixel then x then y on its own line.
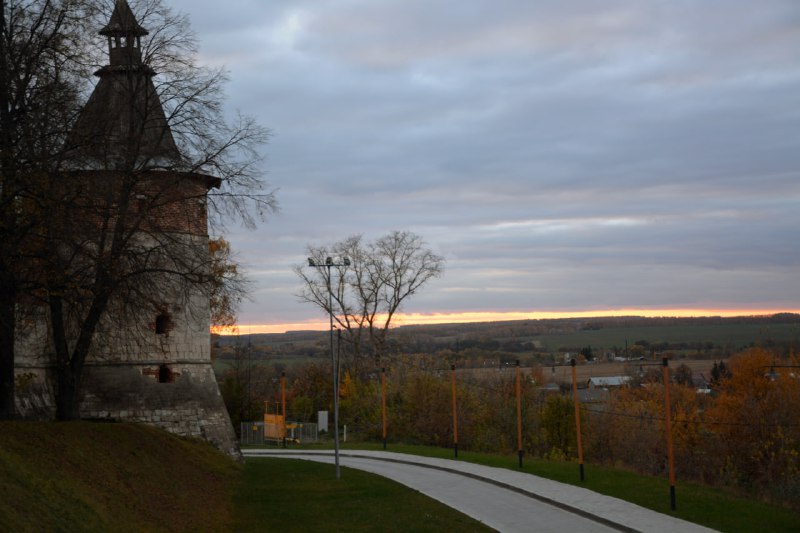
pixel 287 361
pixel 734 335
pixel 705 337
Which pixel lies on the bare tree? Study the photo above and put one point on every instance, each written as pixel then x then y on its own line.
pixel 41 78
pixel 367 294
pixel 247 384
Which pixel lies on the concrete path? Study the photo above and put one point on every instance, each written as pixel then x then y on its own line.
pixel 503 499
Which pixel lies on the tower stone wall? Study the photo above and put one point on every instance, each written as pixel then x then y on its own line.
pixel 151 364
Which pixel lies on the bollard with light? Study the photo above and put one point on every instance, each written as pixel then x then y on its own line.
pixel 329 263
pixel 577 418
pixel 519 414
pixel 455 413
pixel 668 428
pixel 383 404
pixel 668 418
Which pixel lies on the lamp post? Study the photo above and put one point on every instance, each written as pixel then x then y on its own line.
pixel 334 360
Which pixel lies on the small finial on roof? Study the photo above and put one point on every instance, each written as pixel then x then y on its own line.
pixel 123 21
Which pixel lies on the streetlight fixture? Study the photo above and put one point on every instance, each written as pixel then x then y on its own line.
pixel 329 263
pixel 773 375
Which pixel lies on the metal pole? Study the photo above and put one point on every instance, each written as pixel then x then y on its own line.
pixel 345 262
pixel 455 418
pixel 577 416
pixel 335 380
pixel 519 415
pixel 383 404
pixel 264 420
pixel 668 417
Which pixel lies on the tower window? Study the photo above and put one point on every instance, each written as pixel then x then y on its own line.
pixel 164 374
pixel 163 323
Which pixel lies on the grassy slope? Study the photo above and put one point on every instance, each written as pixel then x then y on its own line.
pixel 111 477
pixel 82 476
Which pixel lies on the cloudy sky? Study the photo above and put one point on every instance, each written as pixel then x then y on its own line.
pixel 563 156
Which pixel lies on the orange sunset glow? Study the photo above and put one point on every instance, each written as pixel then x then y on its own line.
pixel 479 316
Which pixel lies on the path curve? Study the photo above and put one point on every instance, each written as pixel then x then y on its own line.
pixel 503 499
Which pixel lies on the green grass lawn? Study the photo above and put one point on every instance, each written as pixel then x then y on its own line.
pixel 296 495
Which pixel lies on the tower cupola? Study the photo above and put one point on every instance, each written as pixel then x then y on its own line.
pixel 124 37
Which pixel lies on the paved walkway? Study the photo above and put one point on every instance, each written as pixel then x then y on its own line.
pixel 503 499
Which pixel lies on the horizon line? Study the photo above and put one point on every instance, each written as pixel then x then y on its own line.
pixel 422 319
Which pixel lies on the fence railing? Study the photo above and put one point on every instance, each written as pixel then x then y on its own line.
pixel 256 433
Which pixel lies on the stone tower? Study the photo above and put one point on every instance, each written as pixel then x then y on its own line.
pixel 150 362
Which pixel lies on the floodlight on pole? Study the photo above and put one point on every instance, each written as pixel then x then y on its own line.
pixel 329 263
pixel 773 375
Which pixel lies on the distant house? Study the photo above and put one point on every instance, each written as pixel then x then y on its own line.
pixel 597 395
pixel 551 388
pixel 607 382
pixel 701 385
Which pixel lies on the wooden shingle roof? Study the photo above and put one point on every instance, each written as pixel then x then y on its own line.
pixel 123 124
pixel 123 21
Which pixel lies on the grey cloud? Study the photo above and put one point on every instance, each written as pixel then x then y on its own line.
pixel 574 155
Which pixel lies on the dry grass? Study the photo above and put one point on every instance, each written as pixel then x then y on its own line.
pixel 111 477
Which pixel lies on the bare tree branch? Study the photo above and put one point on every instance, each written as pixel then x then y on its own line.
pixel 368 294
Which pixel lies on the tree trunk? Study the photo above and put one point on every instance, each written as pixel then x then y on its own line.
pixel 7 283
pixel 70 365
pixel 7 333
pixel 66 385
pixel 68 394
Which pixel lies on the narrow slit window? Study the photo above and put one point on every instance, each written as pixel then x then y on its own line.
pixel 163 323
pixel 164 374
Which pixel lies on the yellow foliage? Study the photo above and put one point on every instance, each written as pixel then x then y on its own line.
pixel 223 277
pixel 754 419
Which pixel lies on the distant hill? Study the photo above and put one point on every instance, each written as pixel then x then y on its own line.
pixel 709 336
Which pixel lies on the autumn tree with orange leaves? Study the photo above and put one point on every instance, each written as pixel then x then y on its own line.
pixel 754 425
